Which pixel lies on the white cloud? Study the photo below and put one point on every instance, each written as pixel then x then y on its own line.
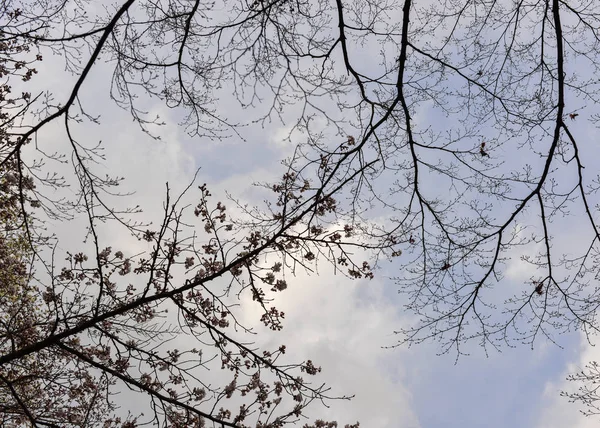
pixel 557 411
pixel 342 325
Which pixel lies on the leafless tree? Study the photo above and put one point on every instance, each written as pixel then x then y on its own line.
pixel 76 333
pixel 456 149
pixel 587 392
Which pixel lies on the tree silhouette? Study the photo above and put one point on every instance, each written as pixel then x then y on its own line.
pixel 458 147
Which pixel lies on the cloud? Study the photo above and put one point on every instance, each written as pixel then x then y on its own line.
pixel 341 325
pixel 556 411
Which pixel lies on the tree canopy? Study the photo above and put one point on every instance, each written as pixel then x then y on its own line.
pixel 452 137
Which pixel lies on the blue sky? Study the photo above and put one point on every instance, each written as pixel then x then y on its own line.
pixel 343 325
pixel 349 321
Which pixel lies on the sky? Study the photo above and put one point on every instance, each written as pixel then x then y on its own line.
pixel 345 326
